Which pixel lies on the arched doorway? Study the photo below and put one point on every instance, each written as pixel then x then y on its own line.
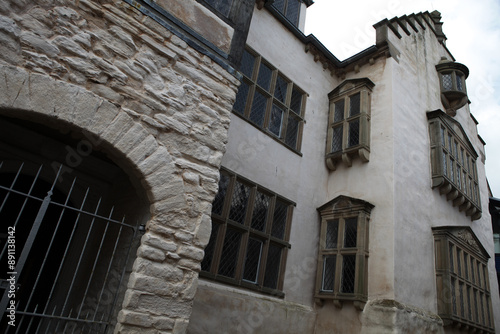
pixel 69 229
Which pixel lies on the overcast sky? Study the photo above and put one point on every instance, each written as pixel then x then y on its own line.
pixel 473 32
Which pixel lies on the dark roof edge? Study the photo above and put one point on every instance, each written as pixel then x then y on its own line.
pixel 319 46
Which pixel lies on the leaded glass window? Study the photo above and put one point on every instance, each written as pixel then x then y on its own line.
pixel 343 251
pixel 269 101
pixel 249 239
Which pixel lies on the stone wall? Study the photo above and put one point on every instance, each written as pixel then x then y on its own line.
pixel 159 108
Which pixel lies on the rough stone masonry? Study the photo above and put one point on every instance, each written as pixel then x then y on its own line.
pixel 157 106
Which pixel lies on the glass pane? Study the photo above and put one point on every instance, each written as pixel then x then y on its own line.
pixel 280 89
pixel 292 131
pixel 279 220
pixel 264 78
pixel 455 149
pixel 296 102
pixel 355 106
pixel 332 231
pixel 279 4
pixel 442 137
pixel 337 139
pixel 292 11
pixel 230 251
pixel 276 120
pixel 241 98
pixel 447 83
pixel 218 203
pixel 459 181
pixel 450 140
pixel 252 260
pixel 461 298
pixel 222 6
pixel 351 232
pixel 272 267
pixel 339 111
pixel 239 203
pixel 450 250
pixel 247 63
pixel 460 85
pixel 329 263
pixel 459 262
pixel 476 306
pixel 260 211
pixel 258 111
pixel 353 133
pixel 209 250
pixel 454 296
pixel 348 274
pixel 445 164
pixel 452 170
pixel 469 309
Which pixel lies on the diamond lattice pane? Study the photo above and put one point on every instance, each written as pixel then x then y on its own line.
pixel 241 98
pixel 259 215
pixel 280 89
pixel 272 267
pixel 447 82
pixel 252 260
pixel 210 249
pixel 355 105
pixel 351 232
pixel 329 263
pixel 247 63
pixel 353 133
pixel 279 220
pixel 239 203
pixel 453 296
pixel 332 231
pixel 222 6
pixel 348 274
pixel 296 102
pixel 292 131
pixel 337 139
pixel 339 111
pixel 230 251
pixel 264 78
pixel 218 203
pixel 276 120
pixel 258 111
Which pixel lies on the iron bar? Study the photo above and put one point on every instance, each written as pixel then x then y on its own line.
pixel 80 260
pixel 95 263
pixel 48 249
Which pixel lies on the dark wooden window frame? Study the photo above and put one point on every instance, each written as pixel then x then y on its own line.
pixel 225 217
pixel 291 111
pixel 462 278
pixel 342 210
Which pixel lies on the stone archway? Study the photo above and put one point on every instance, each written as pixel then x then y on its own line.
pixel 163 280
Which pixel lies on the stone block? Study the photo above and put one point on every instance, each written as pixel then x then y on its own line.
pixel 173 203
pixel 39 44
pixel 118 127
pixel 135 318
pixel 161 157
pixel 143 150
pixel 159 243
pixel 171 307
pixel 163 323
pixel 151 253
pixel 207 171
pixel 181 326
pixel 132 137
pixel 106 92
pixel 105 114
pixel 191 252
pixel 70 46
pixel 202 234
pixel 157 286
pixel 42 93
pixel 159 48
pixel 165 271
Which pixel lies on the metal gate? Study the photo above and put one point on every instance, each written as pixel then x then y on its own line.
pixel 63 253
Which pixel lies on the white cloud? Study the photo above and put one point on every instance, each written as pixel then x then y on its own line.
pixel 473 32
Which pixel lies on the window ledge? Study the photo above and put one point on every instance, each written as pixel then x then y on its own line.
pixel 357 300
pixel 457 197
pixel 346 156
